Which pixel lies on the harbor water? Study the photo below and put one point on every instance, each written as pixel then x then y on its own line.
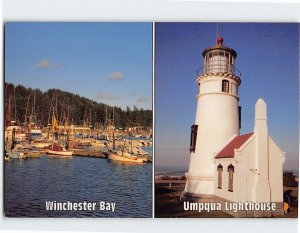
pixel 30 183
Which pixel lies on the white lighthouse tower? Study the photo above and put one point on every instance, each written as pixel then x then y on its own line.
pixel 217 118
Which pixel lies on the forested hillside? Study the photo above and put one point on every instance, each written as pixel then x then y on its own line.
pixel 25 102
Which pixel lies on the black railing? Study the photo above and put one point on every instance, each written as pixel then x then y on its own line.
pixel 218 68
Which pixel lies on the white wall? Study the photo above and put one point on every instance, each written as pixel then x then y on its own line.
pixel 243 178
pixel 276 159
pixel 245 173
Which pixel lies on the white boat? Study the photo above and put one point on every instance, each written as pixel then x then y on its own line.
pixel 124 157
pixel 32 152
pixel 41 143
pixel 59 151
pixel 16 155
pixel 35 134
pixel 98 143
pixel 56 149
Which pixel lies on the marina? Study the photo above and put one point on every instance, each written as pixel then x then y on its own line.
pixel 68 163
pixel 30 183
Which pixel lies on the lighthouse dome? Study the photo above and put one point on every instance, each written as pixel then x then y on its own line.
pixel 219 46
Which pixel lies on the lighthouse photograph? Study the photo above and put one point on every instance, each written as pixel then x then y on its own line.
pixel 226 119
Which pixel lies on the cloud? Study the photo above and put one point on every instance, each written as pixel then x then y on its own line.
pixel 106 96
pixel 142 100
pixel 116 76
pixel 44 64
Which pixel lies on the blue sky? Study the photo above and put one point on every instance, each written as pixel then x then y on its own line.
pixel 268 58
pixel 107 62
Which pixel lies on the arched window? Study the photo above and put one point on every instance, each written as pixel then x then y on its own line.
pixel 220 171
pixel 225 86
pixel 230 170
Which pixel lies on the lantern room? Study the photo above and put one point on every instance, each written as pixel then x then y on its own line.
pixel 219 59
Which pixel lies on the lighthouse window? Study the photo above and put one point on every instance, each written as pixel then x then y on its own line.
pixel 194 130
pixel 220 171
pixel 225 86
pixel 230 177
pixel 210 55
pixel 221 53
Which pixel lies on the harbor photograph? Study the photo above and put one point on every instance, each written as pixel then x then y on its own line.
pixel 226 120
pixel 77 120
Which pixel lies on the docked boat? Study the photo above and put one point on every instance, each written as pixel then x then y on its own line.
pixel 41 143
pixel 32 152
pixel 99 143
pixel 121 156
pixel 58 151
pixel 16 155
pixel 35 134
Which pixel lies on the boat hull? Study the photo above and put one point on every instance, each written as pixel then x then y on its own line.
pixel 60 154
pixel 33 154
pixel 126 159
pixel 16 155
pixel 41 144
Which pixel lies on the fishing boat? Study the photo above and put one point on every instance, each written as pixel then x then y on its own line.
pixel 32 152
pixel 41 143
pixel 59 150
pixel 122 156
pixel 16 155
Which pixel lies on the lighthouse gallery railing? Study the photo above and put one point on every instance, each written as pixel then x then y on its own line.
pixel 218 68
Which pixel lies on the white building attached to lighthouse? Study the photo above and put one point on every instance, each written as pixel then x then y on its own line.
pixel 224 165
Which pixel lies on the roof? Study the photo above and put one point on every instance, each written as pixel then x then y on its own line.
pixel 236 143
pixel 232 51
pixel 219 46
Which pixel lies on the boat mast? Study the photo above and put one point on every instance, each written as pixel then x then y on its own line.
pixel 7 120
pixel 49 116
pixel 54 108
pixel 33 113
pixel 68 127
pixel 90 122
pixel 15 110
pixel 106 117
pixel 131 152
pixel 114 145
pixel 53 129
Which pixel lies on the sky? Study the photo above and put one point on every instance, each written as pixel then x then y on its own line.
pixel 107 62
pixel 268 59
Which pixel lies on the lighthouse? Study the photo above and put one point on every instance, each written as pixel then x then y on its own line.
pixel 226 167
pixel 217 119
